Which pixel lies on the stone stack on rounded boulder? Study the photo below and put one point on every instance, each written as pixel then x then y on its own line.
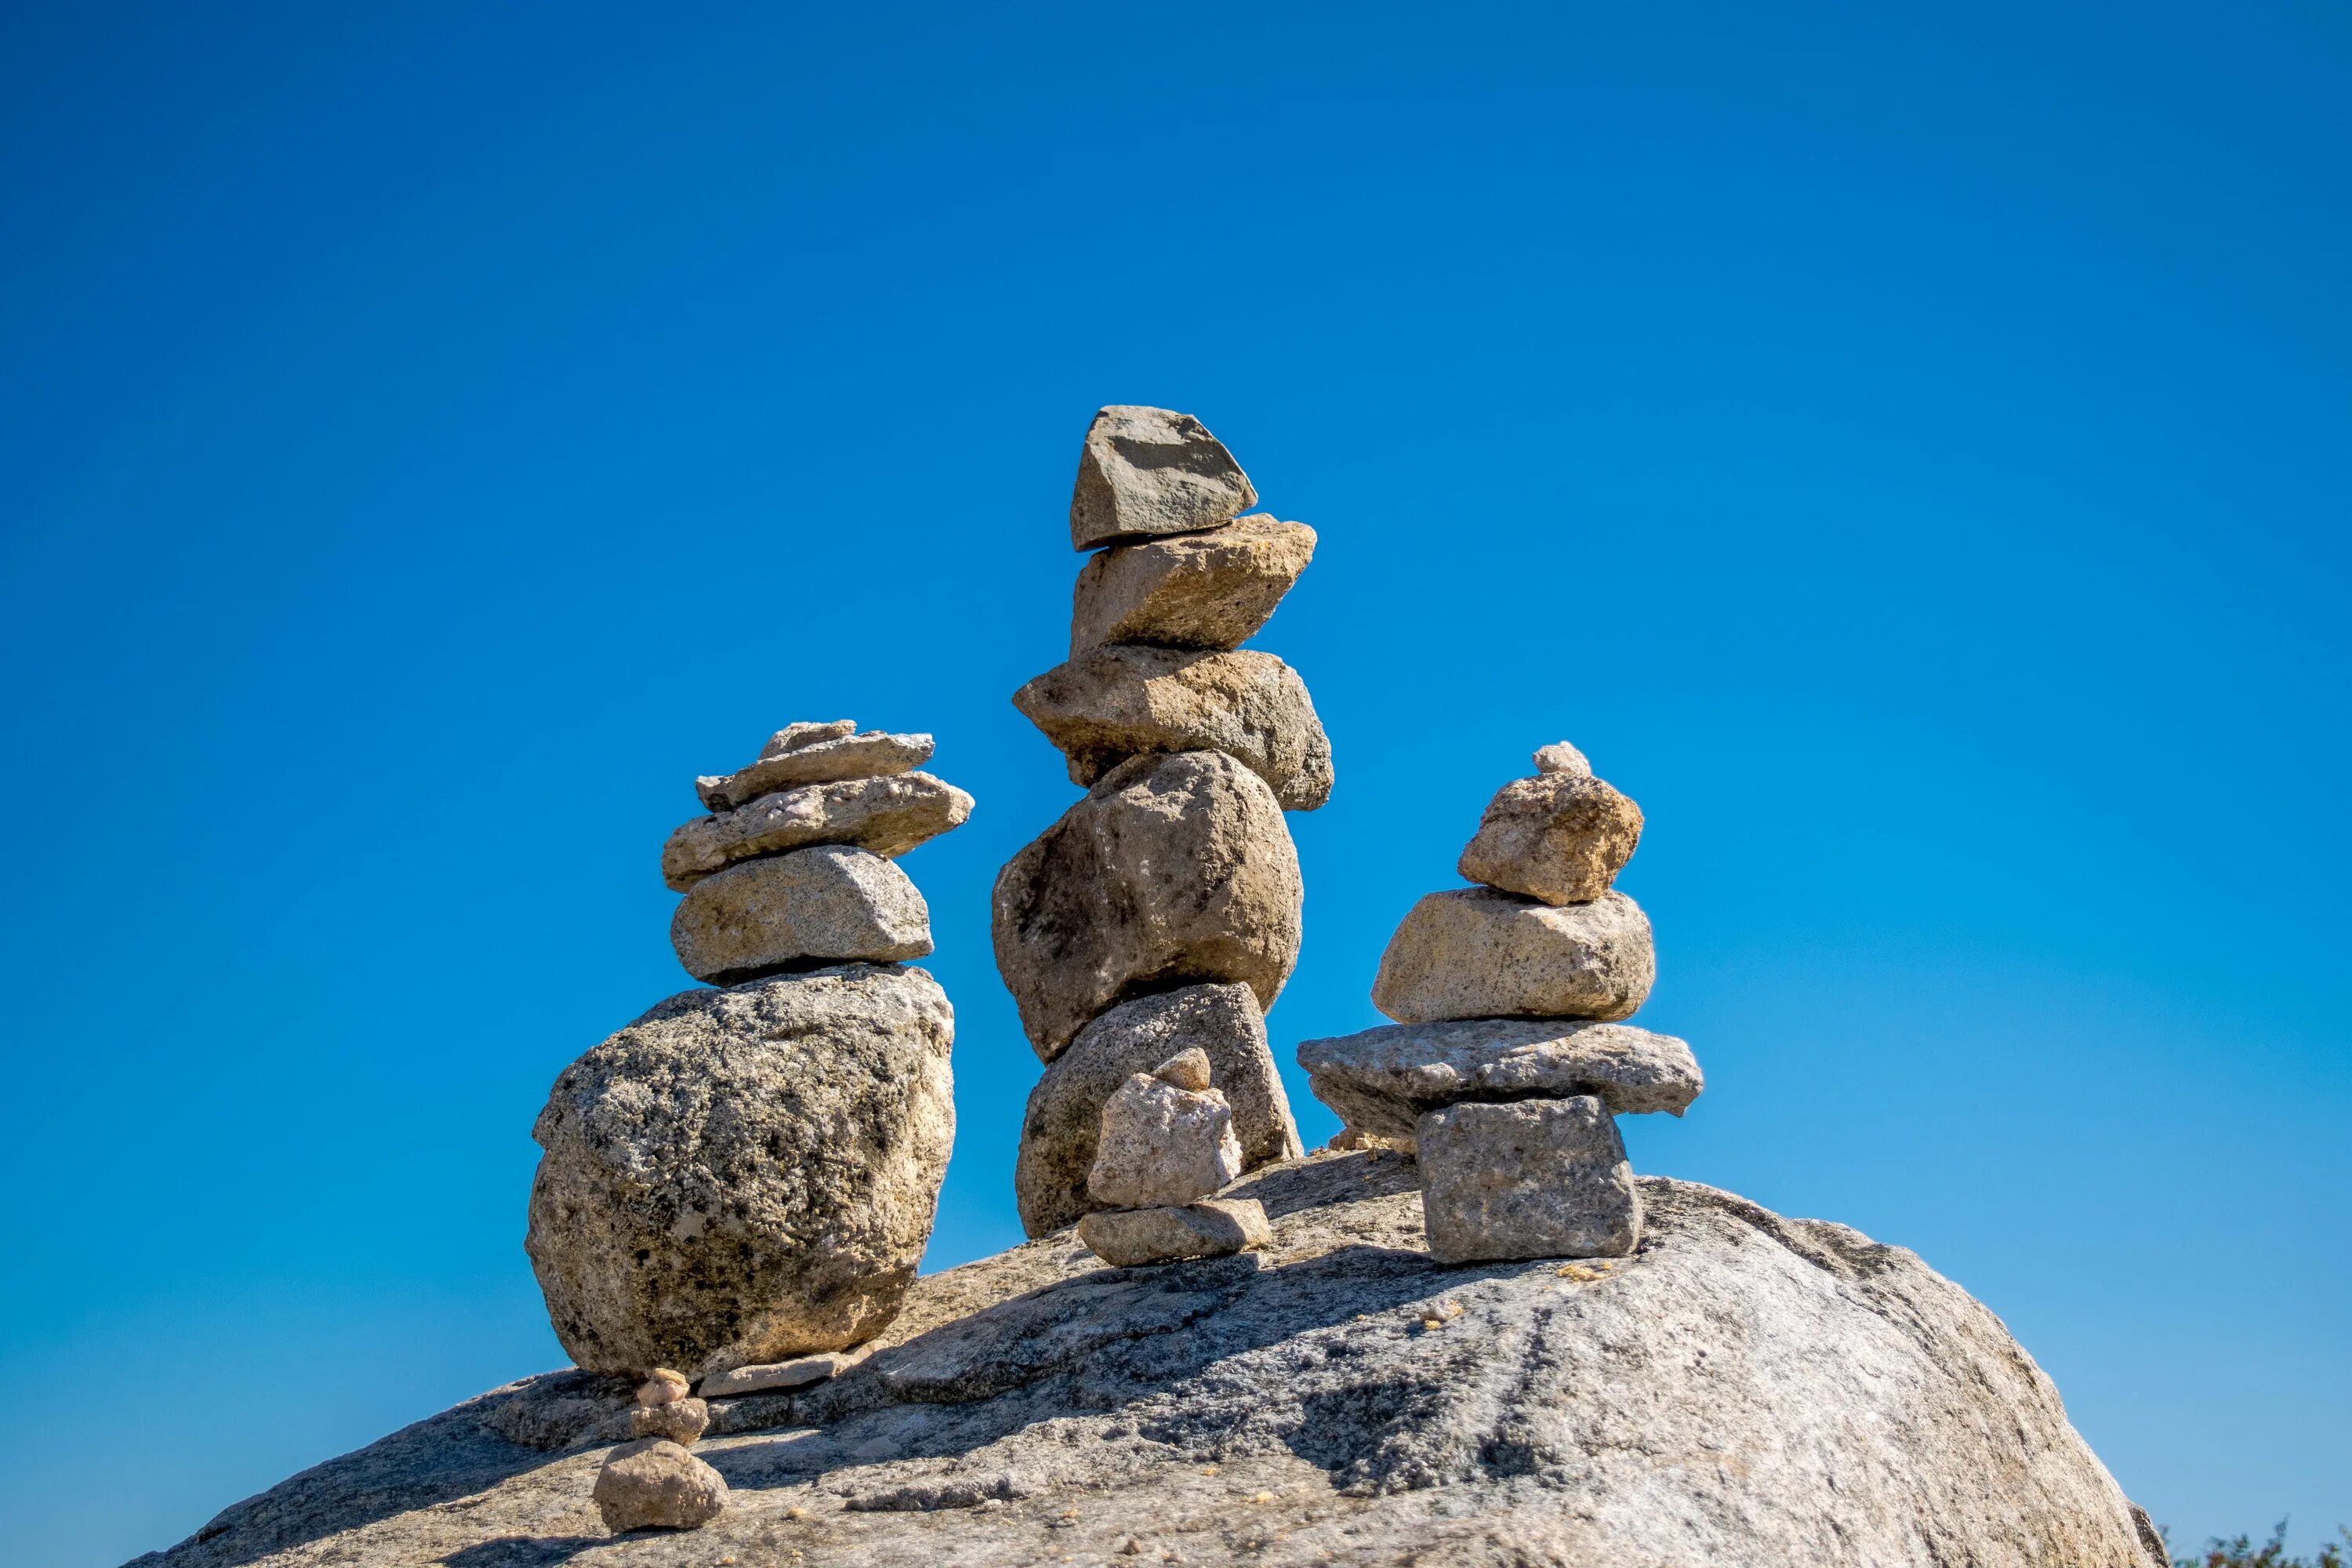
pixel 1162 911
pixel 1508 1063
pixel 1166 1145
pixel 652 1482
pixel 741 1183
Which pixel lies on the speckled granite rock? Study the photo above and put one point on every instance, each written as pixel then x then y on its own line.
pixel 887 815
pixel 1535 1178
pixel 1473 952
pixel 1559 836
pixel 1147 471
pixel 815 753
pixel 823 905
pixel 654 1484
pixel 1211 1228
pixel 1194 589
pixel 1748 1389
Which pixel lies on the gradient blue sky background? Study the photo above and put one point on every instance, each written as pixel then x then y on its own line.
pixel 1907 450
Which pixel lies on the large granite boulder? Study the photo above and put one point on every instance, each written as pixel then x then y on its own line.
pixel 825 905
pixel 1123 700
pixel 745 1174
pixel 1192 590
pixel 887 815
pixel 1148 471
pixel 1471 952
pixel 1173 869
pixel 1060 1132
pixel 1745 1389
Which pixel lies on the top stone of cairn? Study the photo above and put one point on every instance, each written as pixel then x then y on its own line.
pixel 1148 472
pixel 807 753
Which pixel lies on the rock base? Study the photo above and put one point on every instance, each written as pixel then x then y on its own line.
pixel 657 1485
pixel 1534 1178
pixel 1213 1227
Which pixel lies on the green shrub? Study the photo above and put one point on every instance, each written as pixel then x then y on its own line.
pixel 2243 1554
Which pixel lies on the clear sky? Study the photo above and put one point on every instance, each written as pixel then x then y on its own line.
pixel 1907 452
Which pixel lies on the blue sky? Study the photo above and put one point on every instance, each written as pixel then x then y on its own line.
pixel 1906 451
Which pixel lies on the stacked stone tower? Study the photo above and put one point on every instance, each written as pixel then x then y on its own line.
pixel 1161 913
pixel 1507 1066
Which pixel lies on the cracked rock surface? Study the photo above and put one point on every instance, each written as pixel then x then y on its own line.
pixel 1745 1389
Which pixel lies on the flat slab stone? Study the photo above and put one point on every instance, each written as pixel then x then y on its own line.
pixel 1473 952
pixel 1210 590
pixel 1124 700
pixel 1561 837
pixel 801 1372
pixel 1535 1178
pixel 1213 1227
pixel 1383 1080
pixel 1173 870
pixel 828 904
pixel 829 759
pixel 887 815
pixel 1063 1124
pixel 1147 471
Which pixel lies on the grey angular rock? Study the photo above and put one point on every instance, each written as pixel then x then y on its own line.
pixel 1173 869
pixel 654 1484
pixel 815 759
pixel 1213 1227
pixel 1162 1146
pixel 806 732
pixel 1878 1417
pixel 1534 1178
pixel 1064 1123
pixel 1476 954
pixel 887 815
pixel 808 908
pixel 1560 757
pixel 1148 472
pixel 798 1372
pixel 746 1175
pixel 679 1421
pixel 1381 1081
pixel 1210 590
pixel 1124 700
pixel 1558 836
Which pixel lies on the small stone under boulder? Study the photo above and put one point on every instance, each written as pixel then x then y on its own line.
pixel 1194 590
pixel 1147 471
pixel 887 815
pixel 654 1484
pixel 1123 699
pixel 828 904
pixel 1173 869
pixel 1213 1227
pixel 1473 952
pixel 1534 1178
pixel 1064 1122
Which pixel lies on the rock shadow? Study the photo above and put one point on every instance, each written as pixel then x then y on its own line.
pixel 523 1551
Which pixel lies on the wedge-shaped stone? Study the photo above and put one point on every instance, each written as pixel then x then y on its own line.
pixel 829 904
pixel 654 1484
pixel 1122 700
pixel 887 815
pixel 1064 1124
pixel 798 1372
pixel 1210 590
pixel 1162 1144
pixel 1213 1227
pixel 1559 836
pixel 1474 953
pixel 827 760
pixel 1148 471
pixel 1173 870
pixel 1383 1080
pixel 1536 1178
pixel 744 1176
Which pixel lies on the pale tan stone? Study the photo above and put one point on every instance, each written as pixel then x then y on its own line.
pixel 1213 1227
pixel 681 1421
pixel 806 732
pixel 828 904
pixel 801 1372
pixel 820 759
pixel 1534 1178
pixel 1162 1146
pixel 1477 953
pixel 1560 757
pixel 654 1484
pixel 663 1386
pixel 1210 590
pixel 1186 1070
pixel 1558 836
pixel 1147 471
pixel 887 815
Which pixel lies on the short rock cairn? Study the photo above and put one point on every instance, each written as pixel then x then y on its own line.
pixel 652 1482
pixel 1167 1144
pixel 1155 921
pixel 1507 1066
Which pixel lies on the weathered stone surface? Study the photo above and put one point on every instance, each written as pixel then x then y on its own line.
pixel 1213 1227
pixel 1210 590
pixel 1161 1144
pixel 815 759
pixel 1064 1123
pixel 1383 1080
pixel 679 1421
pixel 1745 1389
pixel 746 1175
pixel 1558 836
pixel 1172 869
pixel 888 815
pixel 798 1372
pixel 806 732
pixel 1474 953
pixel 657 1485
pixel 1560 757
pixel 663 1386
pixel 1535 1178
pixel 1123 699
pixel 829 904
pixel 1186 1070
pixel 1148 471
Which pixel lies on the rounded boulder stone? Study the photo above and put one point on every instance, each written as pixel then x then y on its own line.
pixel 1558 836
pixel 828 905
pixel 655 1484
pixel 745 1174
pixel 1473 952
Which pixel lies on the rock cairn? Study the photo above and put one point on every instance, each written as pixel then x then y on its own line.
pixel 1160 914
pixel 1507 1066
pixel 652 1482
pixel 1167 1144
pixel 741 1183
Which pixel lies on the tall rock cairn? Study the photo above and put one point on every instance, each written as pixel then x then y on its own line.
pixel 750 1173
pixel 1507 1066
pixel 1160 914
